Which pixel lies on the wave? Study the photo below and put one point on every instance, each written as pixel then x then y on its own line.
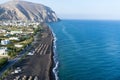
pixel 55 69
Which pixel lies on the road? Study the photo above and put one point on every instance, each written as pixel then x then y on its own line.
pixel 13 61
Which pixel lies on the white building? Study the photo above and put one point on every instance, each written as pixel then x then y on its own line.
pixel 18 45
pixel 5 42
pixel 3 51
pixel 2 31
pixel 16 32
pixel 14 38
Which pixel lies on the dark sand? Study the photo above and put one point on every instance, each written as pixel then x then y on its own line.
pixel 41 63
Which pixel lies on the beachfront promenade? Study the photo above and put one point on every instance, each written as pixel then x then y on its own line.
pixel 36 66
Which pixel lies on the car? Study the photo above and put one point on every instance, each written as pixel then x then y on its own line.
pixel 17 70
pixel 31 53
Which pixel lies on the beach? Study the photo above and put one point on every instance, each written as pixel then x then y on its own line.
pixel 40 64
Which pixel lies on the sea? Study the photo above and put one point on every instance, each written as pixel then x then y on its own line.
pixel 86 49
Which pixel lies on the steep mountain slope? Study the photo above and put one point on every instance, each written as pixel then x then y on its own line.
pixel 22 10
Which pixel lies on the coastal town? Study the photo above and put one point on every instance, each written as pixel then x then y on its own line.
pixel 16 35
pixel 23 44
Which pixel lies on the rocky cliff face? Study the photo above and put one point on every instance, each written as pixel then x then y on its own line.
pixel 22 10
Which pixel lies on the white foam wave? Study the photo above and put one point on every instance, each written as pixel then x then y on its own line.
pixel 55 69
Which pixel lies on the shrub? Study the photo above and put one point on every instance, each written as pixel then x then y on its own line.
pixel 3 61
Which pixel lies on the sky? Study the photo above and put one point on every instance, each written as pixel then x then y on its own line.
pixel 83 9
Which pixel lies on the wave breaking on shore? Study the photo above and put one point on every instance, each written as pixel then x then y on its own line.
pixel 56 62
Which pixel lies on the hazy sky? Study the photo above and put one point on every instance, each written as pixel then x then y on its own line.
pixel 83 9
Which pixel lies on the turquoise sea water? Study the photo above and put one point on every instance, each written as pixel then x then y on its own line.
pixel 87 50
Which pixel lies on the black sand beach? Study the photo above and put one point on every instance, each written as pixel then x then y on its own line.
pixel 40 64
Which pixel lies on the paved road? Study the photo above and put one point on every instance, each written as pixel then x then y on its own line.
pixel 13 61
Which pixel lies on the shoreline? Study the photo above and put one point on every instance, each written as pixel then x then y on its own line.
pixel 54 74
pixel 53 64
